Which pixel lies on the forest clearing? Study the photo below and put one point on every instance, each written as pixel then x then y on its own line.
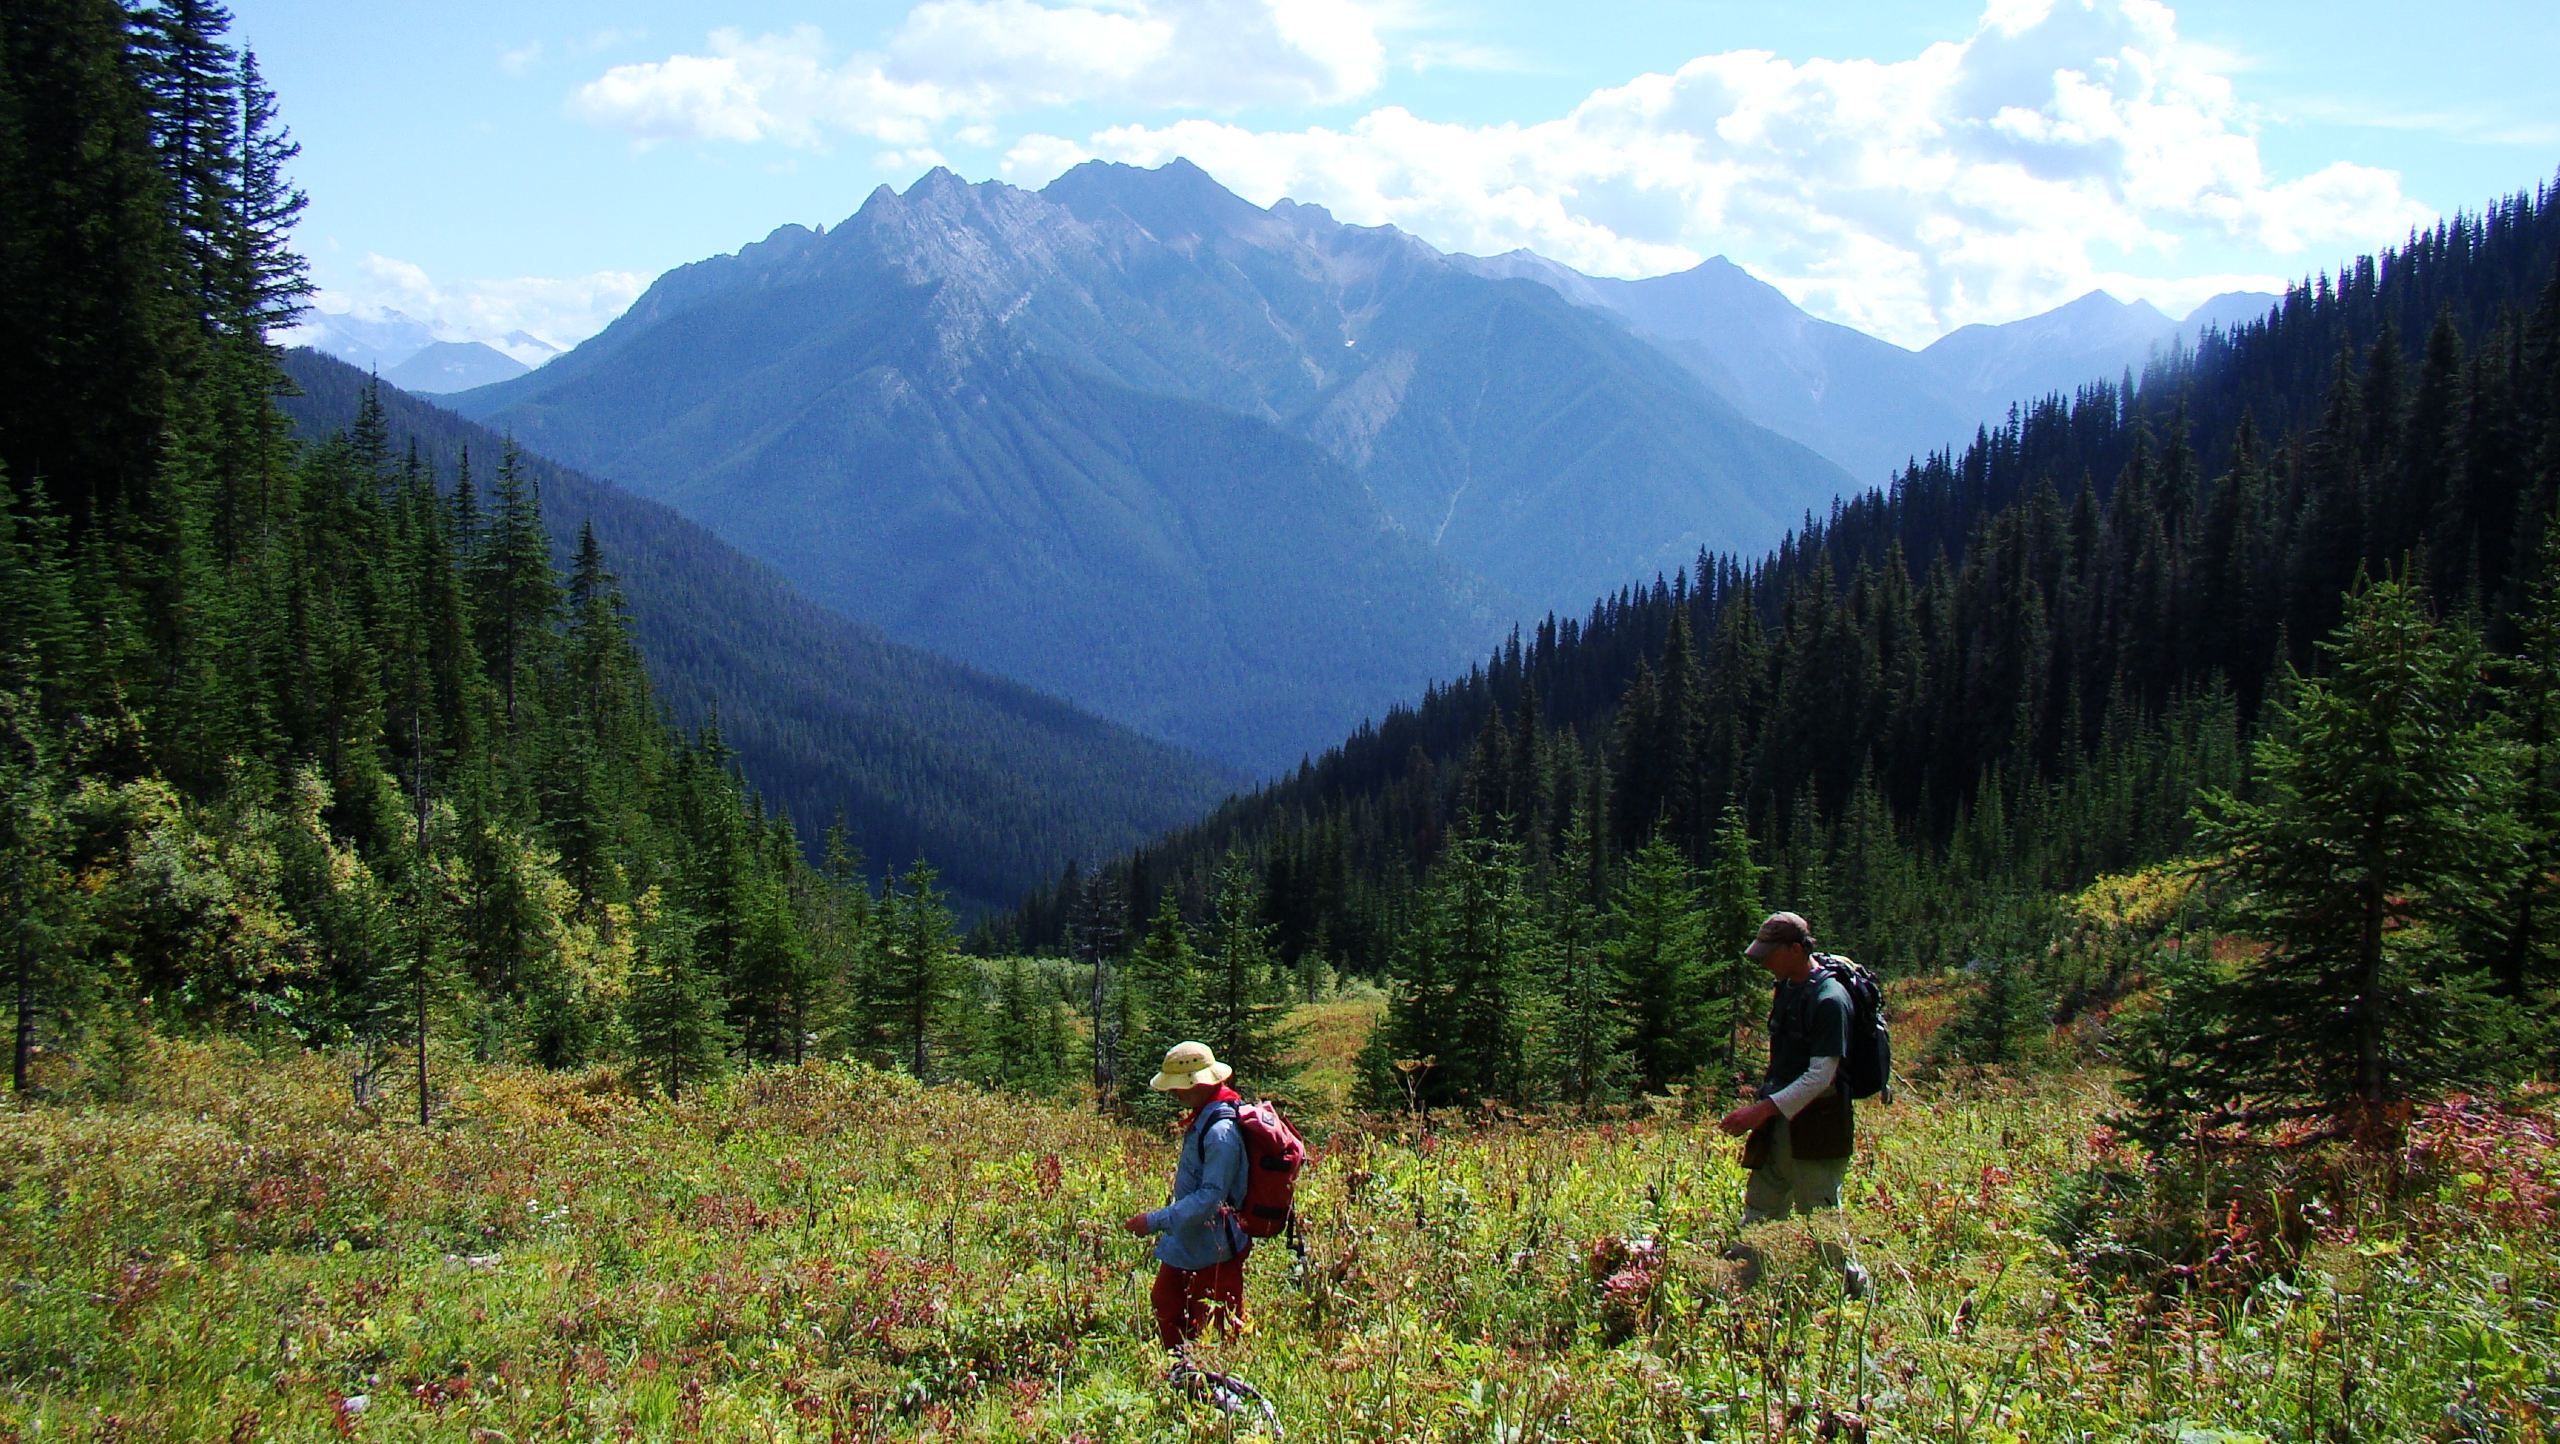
pixel 831 1252
pixel 639 901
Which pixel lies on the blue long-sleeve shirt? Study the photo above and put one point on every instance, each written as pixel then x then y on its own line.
pixel 1194 1231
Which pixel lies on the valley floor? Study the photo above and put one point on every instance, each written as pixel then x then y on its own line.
pixel 830 1252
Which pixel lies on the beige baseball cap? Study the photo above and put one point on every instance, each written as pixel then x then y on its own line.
pixel 1780 930
pixel 1187 1065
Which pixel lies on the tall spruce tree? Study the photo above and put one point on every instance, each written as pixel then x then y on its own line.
pixel 918 979
pixel 1730 912
pixel 2383 834
pixel 1474 957
pixel 678 1034
pixel 1160 1000
pixel 1244 1000
pixel 1659 936
pixel 1587 1046
pixel 2526 953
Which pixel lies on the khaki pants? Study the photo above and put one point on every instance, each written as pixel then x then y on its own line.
pixel 1784 1184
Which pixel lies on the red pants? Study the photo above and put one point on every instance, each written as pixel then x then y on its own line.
pixel 1185 1300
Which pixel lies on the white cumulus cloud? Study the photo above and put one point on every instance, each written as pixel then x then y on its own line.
pixel 763 87
pixel 2062 146
pixel 964 62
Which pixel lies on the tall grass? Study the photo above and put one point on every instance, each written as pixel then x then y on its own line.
pixel 830 1252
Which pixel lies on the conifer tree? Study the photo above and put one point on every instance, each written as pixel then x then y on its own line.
pixel 266 283
pixel 87 262
pixel 1161 1002
pixel 2382 834
pixel 191 77
pixel 516 595
pixel 1659 933
pixel 917 977
pixel 1730 912
pixel 1999 1023
pixel 1244 1000
pixel 418 976
pixel 1026 1045
pixel 1587 1052
pixel 41 922
pixel 1473 961
pixel 2526 952
pixel 781 988
pixel 836 919
pixel 677 1030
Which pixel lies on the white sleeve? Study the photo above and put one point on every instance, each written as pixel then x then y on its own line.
pixel 1813 1083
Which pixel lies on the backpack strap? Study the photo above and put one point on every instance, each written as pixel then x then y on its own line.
pixel 1234 1114
pixel 1826 969
pixel 1798 1021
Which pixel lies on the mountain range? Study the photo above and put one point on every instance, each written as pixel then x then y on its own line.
pixel 1864 403
pixel 1239 477
pixel 998 785
pixel 409 354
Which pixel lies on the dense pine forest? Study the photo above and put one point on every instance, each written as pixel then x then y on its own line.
pixel 318 743
pixel 1931 718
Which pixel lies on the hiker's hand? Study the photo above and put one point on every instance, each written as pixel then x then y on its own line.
pixel 1747 1117
pixel 1137 1224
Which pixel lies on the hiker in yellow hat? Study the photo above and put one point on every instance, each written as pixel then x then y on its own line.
pixel 1200 1247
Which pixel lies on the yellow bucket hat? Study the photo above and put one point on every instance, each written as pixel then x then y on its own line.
pixel 1187 1065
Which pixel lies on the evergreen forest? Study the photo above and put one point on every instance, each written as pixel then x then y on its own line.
pixel 328 743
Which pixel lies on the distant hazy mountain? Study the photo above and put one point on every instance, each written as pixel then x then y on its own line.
pixel 368 343
pixel 452 366
pixel 527 349
pixel 1865 403
pixel 998 785
pixel 410 354
pixel 2094 336
pixel 2227 312
pixel 1236 476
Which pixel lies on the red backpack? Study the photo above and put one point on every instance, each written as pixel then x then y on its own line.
pixel 1274 1155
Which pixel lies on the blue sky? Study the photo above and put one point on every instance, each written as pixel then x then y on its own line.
pixel 1905 168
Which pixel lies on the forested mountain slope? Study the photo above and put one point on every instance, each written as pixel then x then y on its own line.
pixel 918 756
pixel 1240 477
pixel 2013 667
pixel 312 745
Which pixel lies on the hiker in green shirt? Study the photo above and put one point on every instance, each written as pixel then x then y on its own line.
pixel 1801 1128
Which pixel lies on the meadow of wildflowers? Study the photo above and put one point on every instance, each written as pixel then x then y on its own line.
pixel 831 1252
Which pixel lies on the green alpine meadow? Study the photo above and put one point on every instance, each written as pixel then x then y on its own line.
pixel 1088 806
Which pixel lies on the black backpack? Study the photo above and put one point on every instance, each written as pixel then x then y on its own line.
pixel 1868 1070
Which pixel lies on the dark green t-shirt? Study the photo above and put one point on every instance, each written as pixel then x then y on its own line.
pixel 1807 1020
pixel 1810 1020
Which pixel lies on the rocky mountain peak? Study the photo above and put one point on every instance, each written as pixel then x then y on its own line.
pixel 1175 202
